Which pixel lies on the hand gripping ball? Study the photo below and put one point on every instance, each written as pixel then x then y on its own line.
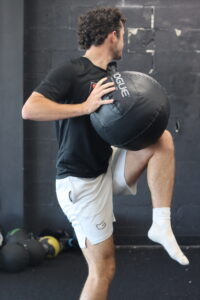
pixel 138 116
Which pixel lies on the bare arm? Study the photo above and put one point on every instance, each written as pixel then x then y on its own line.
pixel 40 108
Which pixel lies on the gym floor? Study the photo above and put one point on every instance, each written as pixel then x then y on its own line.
pixel 143 273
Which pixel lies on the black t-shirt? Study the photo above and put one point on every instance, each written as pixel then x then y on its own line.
pixel 82 152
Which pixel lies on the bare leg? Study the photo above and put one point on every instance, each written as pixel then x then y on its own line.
pixel 159 160
pixel 160 172
pixel 101 267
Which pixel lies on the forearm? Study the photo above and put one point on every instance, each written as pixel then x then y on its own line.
pixel 38 108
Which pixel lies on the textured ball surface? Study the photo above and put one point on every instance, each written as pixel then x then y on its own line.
pixel 138 116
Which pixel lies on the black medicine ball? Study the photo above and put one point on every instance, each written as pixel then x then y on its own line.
pixel 139 114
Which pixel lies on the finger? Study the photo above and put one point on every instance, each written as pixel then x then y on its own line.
pixel 107 101
pixel 107 91
pixel 101 81
pixel 107 85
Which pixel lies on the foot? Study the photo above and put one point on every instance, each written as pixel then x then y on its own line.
pixel 163 235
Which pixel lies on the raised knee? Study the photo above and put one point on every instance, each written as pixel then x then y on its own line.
pixel 166 142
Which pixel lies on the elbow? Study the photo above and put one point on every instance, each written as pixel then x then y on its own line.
pixel 26 114
pixel 30 109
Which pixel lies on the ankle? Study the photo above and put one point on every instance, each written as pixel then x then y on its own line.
pixel 161 216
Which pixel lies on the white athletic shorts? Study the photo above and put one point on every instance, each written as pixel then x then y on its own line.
pixel 88 202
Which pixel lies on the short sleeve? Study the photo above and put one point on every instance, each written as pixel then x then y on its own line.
pixel 56 85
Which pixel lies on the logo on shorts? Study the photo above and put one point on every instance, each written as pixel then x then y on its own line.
pixel 101 225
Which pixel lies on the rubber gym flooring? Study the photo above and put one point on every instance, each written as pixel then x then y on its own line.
pixel 143 273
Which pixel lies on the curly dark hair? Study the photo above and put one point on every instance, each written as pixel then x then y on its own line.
pixel 96 24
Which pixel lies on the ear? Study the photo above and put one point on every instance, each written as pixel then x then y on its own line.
pixel 113 36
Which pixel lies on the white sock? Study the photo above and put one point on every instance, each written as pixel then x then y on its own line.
pixel 161 232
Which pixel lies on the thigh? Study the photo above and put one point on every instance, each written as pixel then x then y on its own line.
pixel 135 163
pixel 118 164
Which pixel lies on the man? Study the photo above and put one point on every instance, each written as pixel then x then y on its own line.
pixel 87 172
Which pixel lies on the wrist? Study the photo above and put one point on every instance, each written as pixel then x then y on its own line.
pixel 85 109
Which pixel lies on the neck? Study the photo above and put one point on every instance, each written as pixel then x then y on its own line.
pixel 99 56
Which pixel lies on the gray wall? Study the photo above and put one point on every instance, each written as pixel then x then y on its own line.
pixel 11 125
pixel 163 40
